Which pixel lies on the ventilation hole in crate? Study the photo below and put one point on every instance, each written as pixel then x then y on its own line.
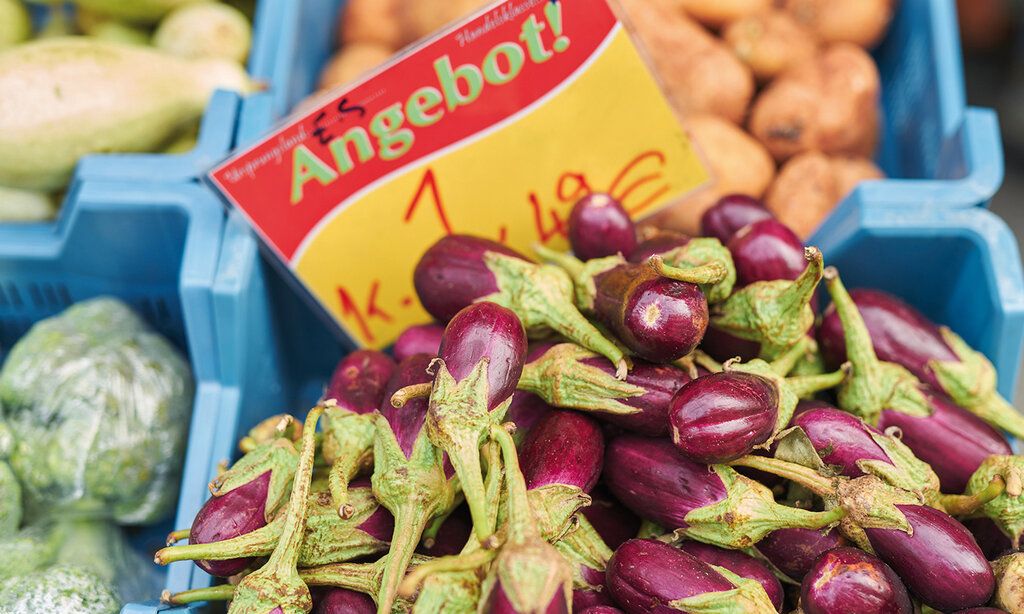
pixel 50 296
pixel 65 295
pixel 14 296
pixel 36 295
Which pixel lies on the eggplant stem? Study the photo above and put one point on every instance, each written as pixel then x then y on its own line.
pixel 465 458
pixel 859 349
pixel 995 410
pixel 260 542
pixel 410 521
pixel 459 562
pixel 521 524
pixel 415 391
pixel 572 265
pixel 176 536
pixel 806 477
pixel 799 293
pixel 221 592
pixel 806 385
pixel 705 274
pixel 965 505
pixel 786 361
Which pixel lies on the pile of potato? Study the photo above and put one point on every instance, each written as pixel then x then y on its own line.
pixel 780 95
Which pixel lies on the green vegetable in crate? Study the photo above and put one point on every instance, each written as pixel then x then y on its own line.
pixel 10 500
pixel 137 11
pixel 69 97
pixel 15 25
pixel 25 205
pixel 205 30
pixel 65 588
pixel 99 407
pixel 28 550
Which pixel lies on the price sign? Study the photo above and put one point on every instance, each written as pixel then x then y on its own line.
pixel 495 127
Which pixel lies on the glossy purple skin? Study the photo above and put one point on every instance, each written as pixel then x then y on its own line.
pixel 841 439
pixel 941 563
pixel 766 251
pixel 851 580
pixel 651 477
pixel 585 601
pixel 661 383
pixel 740 564
pixel 602 609
pixel 731 213
pixel 408 421
pixel 565 447
pixel 343 601
pixel 805 405
pixel 452 274
pixel 525 411
pixel 659 319
pixel 645 575
pixel 981 611
pixel 657 245
pixel 486 330
pixel 238 512
pixel 794 551
pixel 612 521
pixel 722 346
pixel 498 603
pixel 359 380
pixel 722 416
pixel 952 440
pixel 900 334
pixel 421 339
pixel 599 226
pixel 380 525
pixel 991 539
pixel 452 536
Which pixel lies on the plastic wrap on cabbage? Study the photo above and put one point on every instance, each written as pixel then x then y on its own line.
pixel 63 588
pixel 99 407
pixel 28 550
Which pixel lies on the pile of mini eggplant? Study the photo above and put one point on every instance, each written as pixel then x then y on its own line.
pixel 649 424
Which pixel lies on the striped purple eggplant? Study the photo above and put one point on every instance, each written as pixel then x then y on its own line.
pixel 460 270
pixel 358 382
pixel 612 520
pixel 343 601
pixel 730 214
pixel 741 564
pixel 661 243
pixel 936 355
pixel 584 600
pixel 525 411
pixel 681 253
pixel 599 226
pixel 851 580
pixel 713 504
pixel 766 250
pixel 991 539
pixel 420 339
pixel 647 576
pixel 793 551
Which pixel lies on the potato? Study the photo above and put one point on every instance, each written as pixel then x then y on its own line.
pixel 811 184
pixel 737 163
pixel 422 18
pixel 377 22
pixel 827 104
pixel 351 62
pixel 861 22
pixel 717 13
pixel 699 73
pixel 770 43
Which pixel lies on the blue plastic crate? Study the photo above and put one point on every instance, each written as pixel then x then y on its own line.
pixel 156 248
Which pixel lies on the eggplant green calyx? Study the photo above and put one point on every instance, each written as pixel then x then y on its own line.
pixel 363 578
pixel 348 447
pixel 1006 509
pixel 966 505
pixel 776 314
pixel 873 385
pixel 971 383
pixel 747 514
pixel 542 297
pixel 749 597
pixel 582 273
pixel 281 426
pixel 555 507
pixel 277 584
pixel 279 457
pixel 698 253
pixel 870 503
pixel 561 378
pixel 907 472
pixel 583 548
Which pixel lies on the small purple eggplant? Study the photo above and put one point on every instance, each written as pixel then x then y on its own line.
pixel 851 580
pixel 1009 571
pixel 741 564
pixel 343 601
pixel 612 520
pixel 981 611
pixel 732 213
pixel 661 243
pixel 767 250
pixel 938 559
pixel 991 539
pixel 599 226
pixel 682 252
pixel 357 388
pixel 568 376
pixel 460 270
pixel 951 440
pixel 237 513
pixel 648 576
pixel 937 356
pixel 452 535
pixel 420 339
pixel 714 505
pixel 793 551
pixel 601 609
pixel 525 411
pixel 584 600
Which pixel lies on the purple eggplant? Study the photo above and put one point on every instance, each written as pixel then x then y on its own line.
pixel 723 347
pixel 612 520
pixel 940 562
pixel 525 412
pixel 460 270
pixel 568 376
pixel 991 539
pixel 584 600
pixel 661 243
pixel 343 601
pixel 851 580
pixel 452 535
pixel 601 609
pixel 237 513
pixel 951 440
pixel 713 505
pixel 981 611
pixel 937 356
pixel 766 250
pixel 420 339
pixel 732 213
pixel 741 564
pixel 806 405
pixel 648 576
pixel 599 226
pixel 357 387
pixel 793 551
pixel 682 252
